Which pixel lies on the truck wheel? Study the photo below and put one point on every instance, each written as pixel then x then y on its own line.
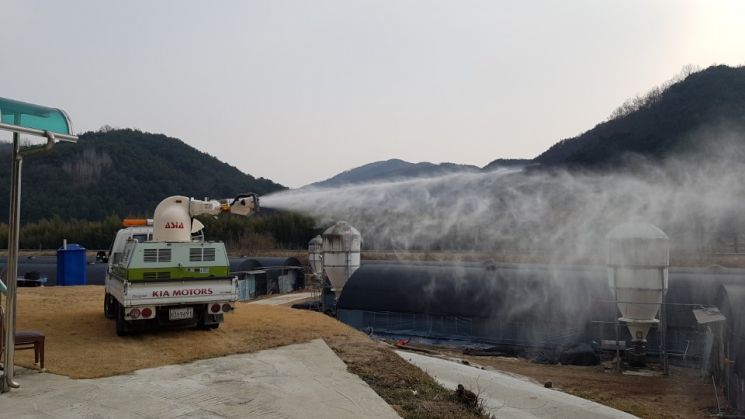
pixel 122 329
pixel 205 324
pixel 109 306
pixel 208 326
pixel 202 323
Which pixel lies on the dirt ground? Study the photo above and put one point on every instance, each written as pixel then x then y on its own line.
pixel 81 343
pixel 682 394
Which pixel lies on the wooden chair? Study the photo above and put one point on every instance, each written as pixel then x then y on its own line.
pixel 26 340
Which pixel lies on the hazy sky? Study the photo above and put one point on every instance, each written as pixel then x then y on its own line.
pixel 297 91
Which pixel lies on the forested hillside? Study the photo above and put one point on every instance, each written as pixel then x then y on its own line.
pixel 392 170
pixel 122 172
pixel 396 169
pixel 691 113
pixel 507 163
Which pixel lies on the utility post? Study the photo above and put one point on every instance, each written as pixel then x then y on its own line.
pixel 41 121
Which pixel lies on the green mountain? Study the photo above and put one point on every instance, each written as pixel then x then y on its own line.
pixel 698 112
pixel 124 172
pixel 397 169
pixel 507 163
pixel 392 170
pixel 691 114
pixel 127 172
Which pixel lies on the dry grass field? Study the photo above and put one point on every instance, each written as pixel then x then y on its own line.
pixel 81 343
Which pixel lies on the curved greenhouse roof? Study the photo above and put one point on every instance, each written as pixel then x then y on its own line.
pixel 478 290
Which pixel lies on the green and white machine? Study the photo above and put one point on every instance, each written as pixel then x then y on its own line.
pixel 162 272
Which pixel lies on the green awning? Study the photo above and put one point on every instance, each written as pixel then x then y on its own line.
pixel 37 117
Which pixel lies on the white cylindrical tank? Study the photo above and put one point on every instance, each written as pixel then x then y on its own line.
pixel 315 255
pixel 341 254
pixel 638 260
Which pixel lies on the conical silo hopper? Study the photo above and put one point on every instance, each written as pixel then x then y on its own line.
pixel 341 254
pixel 638 260
pixel 315 255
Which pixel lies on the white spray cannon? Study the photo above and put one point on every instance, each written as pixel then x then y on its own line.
pixel 173 219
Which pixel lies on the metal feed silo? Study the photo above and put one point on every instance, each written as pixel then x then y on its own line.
pixel 638 260
pixel 341 254
pixel 315 255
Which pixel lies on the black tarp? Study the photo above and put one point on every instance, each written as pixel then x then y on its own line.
pixel 511 302
pixel 477 290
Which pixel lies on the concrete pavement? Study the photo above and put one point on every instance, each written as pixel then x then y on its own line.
pixel 296 381
pixel 508 396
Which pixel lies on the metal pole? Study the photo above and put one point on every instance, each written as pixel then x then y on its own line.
pixel 12 274
pixel 663 322
pixel 615 311
pixel 661 328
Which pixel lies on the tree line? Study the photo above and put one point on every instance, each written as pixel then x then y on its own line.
pixel 693 112
pixel 273 230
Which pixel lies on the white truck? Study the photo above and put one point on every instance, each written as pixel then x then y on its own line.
pixel 159 273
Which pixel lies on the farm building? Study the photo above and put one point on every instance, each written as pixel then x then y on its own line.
pixel 267 275
pixel 519 305
pixel 473 302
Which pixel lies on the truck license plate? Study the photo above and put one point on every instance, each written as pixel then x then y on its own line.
pixel 181 313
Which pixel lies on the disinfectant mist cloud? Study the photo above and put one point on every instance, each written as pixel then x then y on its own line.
pixel 559 213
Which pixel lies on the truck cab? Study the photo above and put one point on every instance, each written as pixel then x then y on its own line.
pixel 140 234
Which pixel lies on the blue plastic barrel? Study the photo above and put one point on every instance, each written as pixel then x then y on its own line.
pixel 72 265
